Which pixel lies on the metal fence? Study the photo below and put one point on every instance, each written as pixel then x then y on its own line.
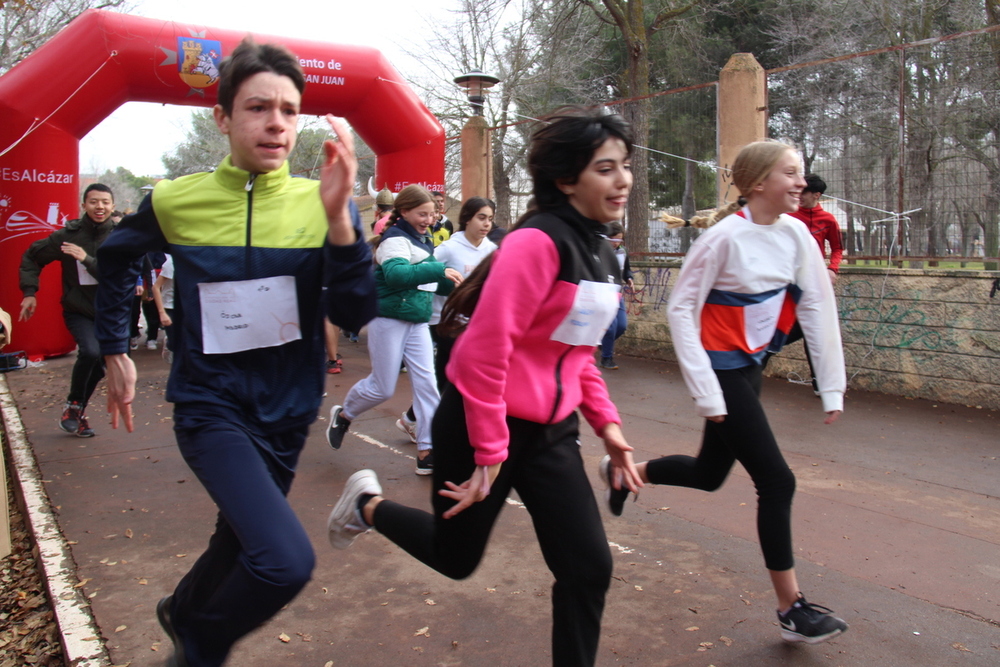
pixel 907 138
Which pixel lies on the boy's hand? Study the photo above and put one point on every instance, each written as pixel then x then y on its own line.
pixel 337 182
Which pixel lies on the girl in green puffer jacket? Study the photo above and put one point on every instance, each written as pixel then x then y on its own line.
pixel 408 277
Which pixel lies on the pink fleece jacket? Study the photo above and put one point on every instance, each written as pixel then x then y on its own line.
pixel 506 363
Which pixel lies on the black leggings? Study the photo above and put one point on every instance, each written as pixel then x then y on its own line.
pixel 743 436
pixel 545 467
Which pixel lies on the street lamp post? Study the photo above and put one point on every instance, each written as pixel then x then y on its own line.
pixel 477 154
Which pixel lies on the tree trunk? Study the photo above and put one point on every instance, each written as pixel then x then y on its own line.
pixel 637 232
pixel 501 189
pixel 637 113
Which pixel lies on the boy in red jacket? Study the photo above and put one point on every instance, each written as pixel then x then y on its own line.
pixel 822 224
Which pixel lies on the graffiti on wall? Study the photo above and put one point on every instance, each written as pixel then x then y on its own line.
pixel 651 292
pixel 889 319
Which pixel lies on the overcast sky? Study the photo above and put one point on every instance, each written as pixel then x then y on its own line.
pixel 138 134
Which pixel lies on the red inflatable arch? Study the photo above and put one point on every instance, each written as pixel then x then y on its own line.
pixel 101 60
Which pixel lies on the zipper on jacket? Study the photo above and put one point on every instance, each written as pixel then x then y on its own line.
pixel 249 188
pixel 248 275
pixel 559 389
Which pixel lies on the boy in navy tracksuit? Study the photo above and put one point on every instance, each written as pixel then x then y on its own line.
pixel 253 250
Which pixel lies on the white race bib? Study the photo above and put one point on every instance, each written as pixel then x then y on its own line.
pixel 594 307
pixel 761 319
pixel 248 314
pixel 83 275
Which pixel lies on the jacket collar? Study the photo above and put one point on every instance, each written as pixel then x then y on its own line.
pixel 461 239
pixel 402 228
pixel 590 230
pixel 84 222
pixel 233 178
pixel 810 211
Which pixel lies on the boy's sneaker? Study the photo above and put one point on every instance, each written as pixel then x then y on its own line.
pixel 83 429
pixel 334 366
pixel 809 623
pixel 338 427
pixel 150 344
pixel 408 427
pixel 163 616
pixel 609 363
pixel 133 343
pixel 615 497
pixel 425 466
pixel 346 522
pixel 70 420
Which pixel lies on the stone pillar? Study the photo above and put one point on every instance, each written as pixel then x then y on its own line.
pixel 742 114
pixel 477 159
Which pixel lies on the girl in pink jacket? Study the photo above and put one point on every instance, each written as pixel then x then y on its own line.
pixel 519 371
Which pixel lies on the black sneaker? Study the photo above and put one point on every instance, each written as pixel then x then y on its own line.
pixel 163 616
pixel 609 363
pixel 338 427
pixel 83 429
pixel 809 623
pixel 615 497
pixel 70 420
pixel 425 466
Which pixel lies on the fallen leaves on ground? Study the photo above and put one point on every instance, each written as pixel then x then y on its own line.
pixel 28 632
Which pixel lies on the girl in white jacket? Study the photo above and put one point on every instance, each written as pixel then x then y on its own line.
pixel 743 283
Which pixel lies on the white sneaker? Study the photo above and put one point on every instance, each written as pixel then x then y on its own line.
pixel 407 427
pixel 150 344
pixel 345 522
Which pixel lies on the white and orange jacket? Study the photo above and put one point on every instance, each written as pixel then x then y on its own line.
pixel 737 297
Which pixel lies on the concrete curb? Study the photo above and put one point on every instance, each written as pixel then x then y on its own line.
pixel 81 639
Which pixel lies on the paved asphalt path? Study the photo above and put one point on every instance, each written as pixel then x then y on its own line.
pixel 896 527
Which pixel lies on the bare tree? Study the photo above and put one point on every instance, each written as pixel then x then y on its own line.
pixel 540 51
pixel 848 114
pixel 636 28
pixel 27 24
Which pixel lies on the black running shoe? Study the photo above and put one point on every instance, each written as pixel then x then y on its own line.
pixel 83 429
pixel 809 623
pixel 425 466
pixel 615 497
pixel 70 420
pixel 337 429
pixel 163 616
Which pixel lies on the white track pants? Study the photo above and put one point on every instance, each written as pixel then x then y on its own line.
pixel 390 343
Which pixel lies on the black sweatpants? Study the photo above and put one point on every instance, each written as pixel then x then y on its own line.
pixel 743 436
pixel 89 367
pixel 545 467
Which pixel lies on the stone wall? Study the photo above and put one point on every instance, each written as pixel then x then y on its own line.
pixel 920 333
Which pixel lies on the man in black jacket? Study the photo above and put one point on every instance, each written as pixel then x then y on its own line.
pixel 75 246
